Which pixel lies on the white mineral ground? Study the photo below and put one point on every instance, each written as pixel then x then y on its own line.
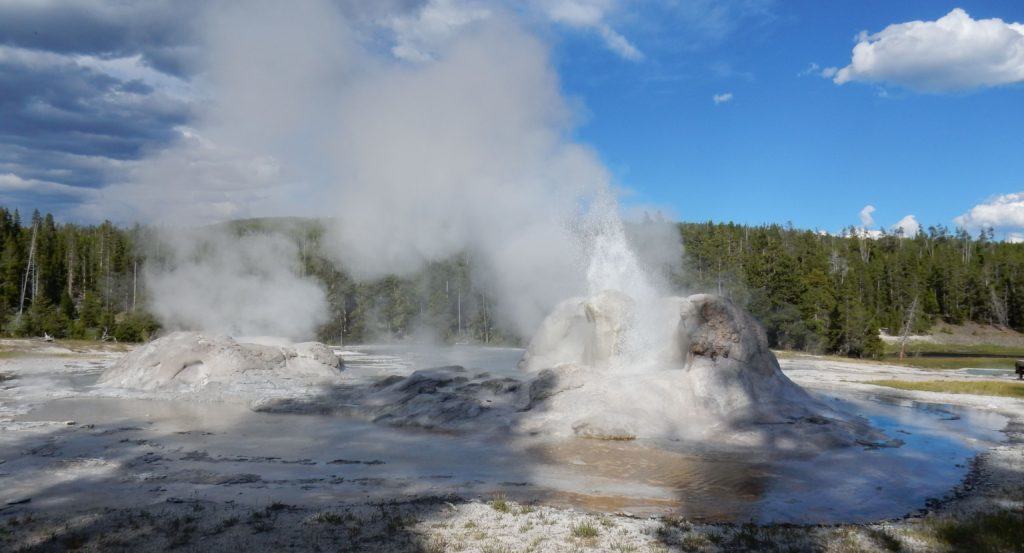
pixel 205 450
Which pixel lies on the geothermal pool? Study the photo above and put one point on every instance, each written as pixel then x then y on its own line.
pixel 127 450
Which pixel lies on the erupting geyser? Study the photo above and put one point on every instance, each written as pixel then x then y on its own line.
pixel 707 377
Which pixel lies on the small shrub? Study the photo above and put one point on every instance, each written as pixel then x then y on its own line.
pixel 584 530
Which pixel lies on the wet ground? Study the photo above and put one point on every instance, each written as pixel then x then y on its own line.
pixel 64 445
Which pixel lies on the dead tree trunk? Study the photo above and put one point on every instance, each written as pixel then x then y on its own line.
pixel 30 271
pixel 907 324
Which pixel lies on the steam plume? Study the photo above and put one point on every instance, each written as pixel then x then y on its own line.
pixel 413 162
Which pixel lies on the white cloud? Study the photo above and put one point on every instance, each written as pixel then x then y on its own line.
pixel 195 181
pixel 954 52
pixel 126 68
pixel 818 71
pixel 1001 212
pixel 861 232
pixel 865 215
pixel 11 183
pixel 619 44
pixel 1015 237
pixel 908 225
pixel 592 15
pixel 419 35
pixel 722 98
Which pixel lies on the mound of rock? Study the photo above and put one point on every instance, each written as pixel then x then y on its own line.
pixel 709 376
pixel 193 361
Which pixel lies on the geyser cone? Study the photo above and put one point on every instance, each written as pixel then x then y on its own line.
pixel 709 376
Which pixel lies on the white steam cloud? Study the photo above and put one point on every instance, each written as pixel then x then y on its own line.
pixel 466 149
pixel 243 286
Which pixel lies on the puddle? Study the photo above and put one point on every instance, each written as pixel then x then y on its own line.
pixel 155 450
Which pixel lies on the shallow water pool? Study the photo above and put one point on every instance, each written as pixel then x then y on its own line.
pixel 133 451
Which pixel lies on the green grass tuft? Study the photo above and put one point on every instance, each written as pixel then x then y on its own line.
pixel 584 530
pixel 500 504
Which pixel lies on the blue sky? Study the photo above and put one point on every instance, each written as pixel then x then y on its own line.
pixel 92 88
pixel 792 147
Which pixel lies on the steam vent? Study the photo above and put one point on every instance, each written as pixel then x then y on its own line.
pixel 699 371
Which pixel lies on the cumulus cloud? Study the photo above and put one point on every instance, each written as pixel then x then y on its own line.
pixel 722 98
pixel 1001 212
pixel 952 53
pixel 908 225
pixel 866 219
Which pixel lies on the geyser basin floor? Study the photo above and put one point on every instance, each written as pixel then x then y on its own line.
pixel 129 452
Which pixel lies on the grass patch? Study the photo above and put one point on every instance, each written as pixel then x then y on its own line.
pixel 981 387
pixel 584 530
pixel 500 504
pixel 997 532
pixel 952 363
pixel 914 348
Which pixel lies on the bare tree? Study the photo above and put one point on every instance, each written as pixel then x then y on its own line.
pixel 30 271
pixel 908 323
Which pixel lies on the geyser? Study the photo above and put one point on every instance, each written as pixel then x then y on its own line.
pixel 709 377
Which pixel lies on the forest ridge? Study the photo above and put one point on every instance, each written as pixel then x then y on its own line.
pixel 814 292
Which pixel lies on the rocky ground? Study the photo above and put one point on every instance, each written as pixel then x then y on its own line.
pixel 986 512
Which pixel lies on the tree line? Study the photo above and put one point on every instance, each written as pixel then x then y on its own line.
pixel 825 293
pixel 812 291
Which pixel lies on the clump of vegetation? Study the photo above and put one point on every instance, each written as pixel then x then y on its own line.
pixel 584 530
pixel 328 517
pixel 261 521
pixel 438 544
pixel 998 532
pixel 977 387
pixel 224 525
pixel 500 504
